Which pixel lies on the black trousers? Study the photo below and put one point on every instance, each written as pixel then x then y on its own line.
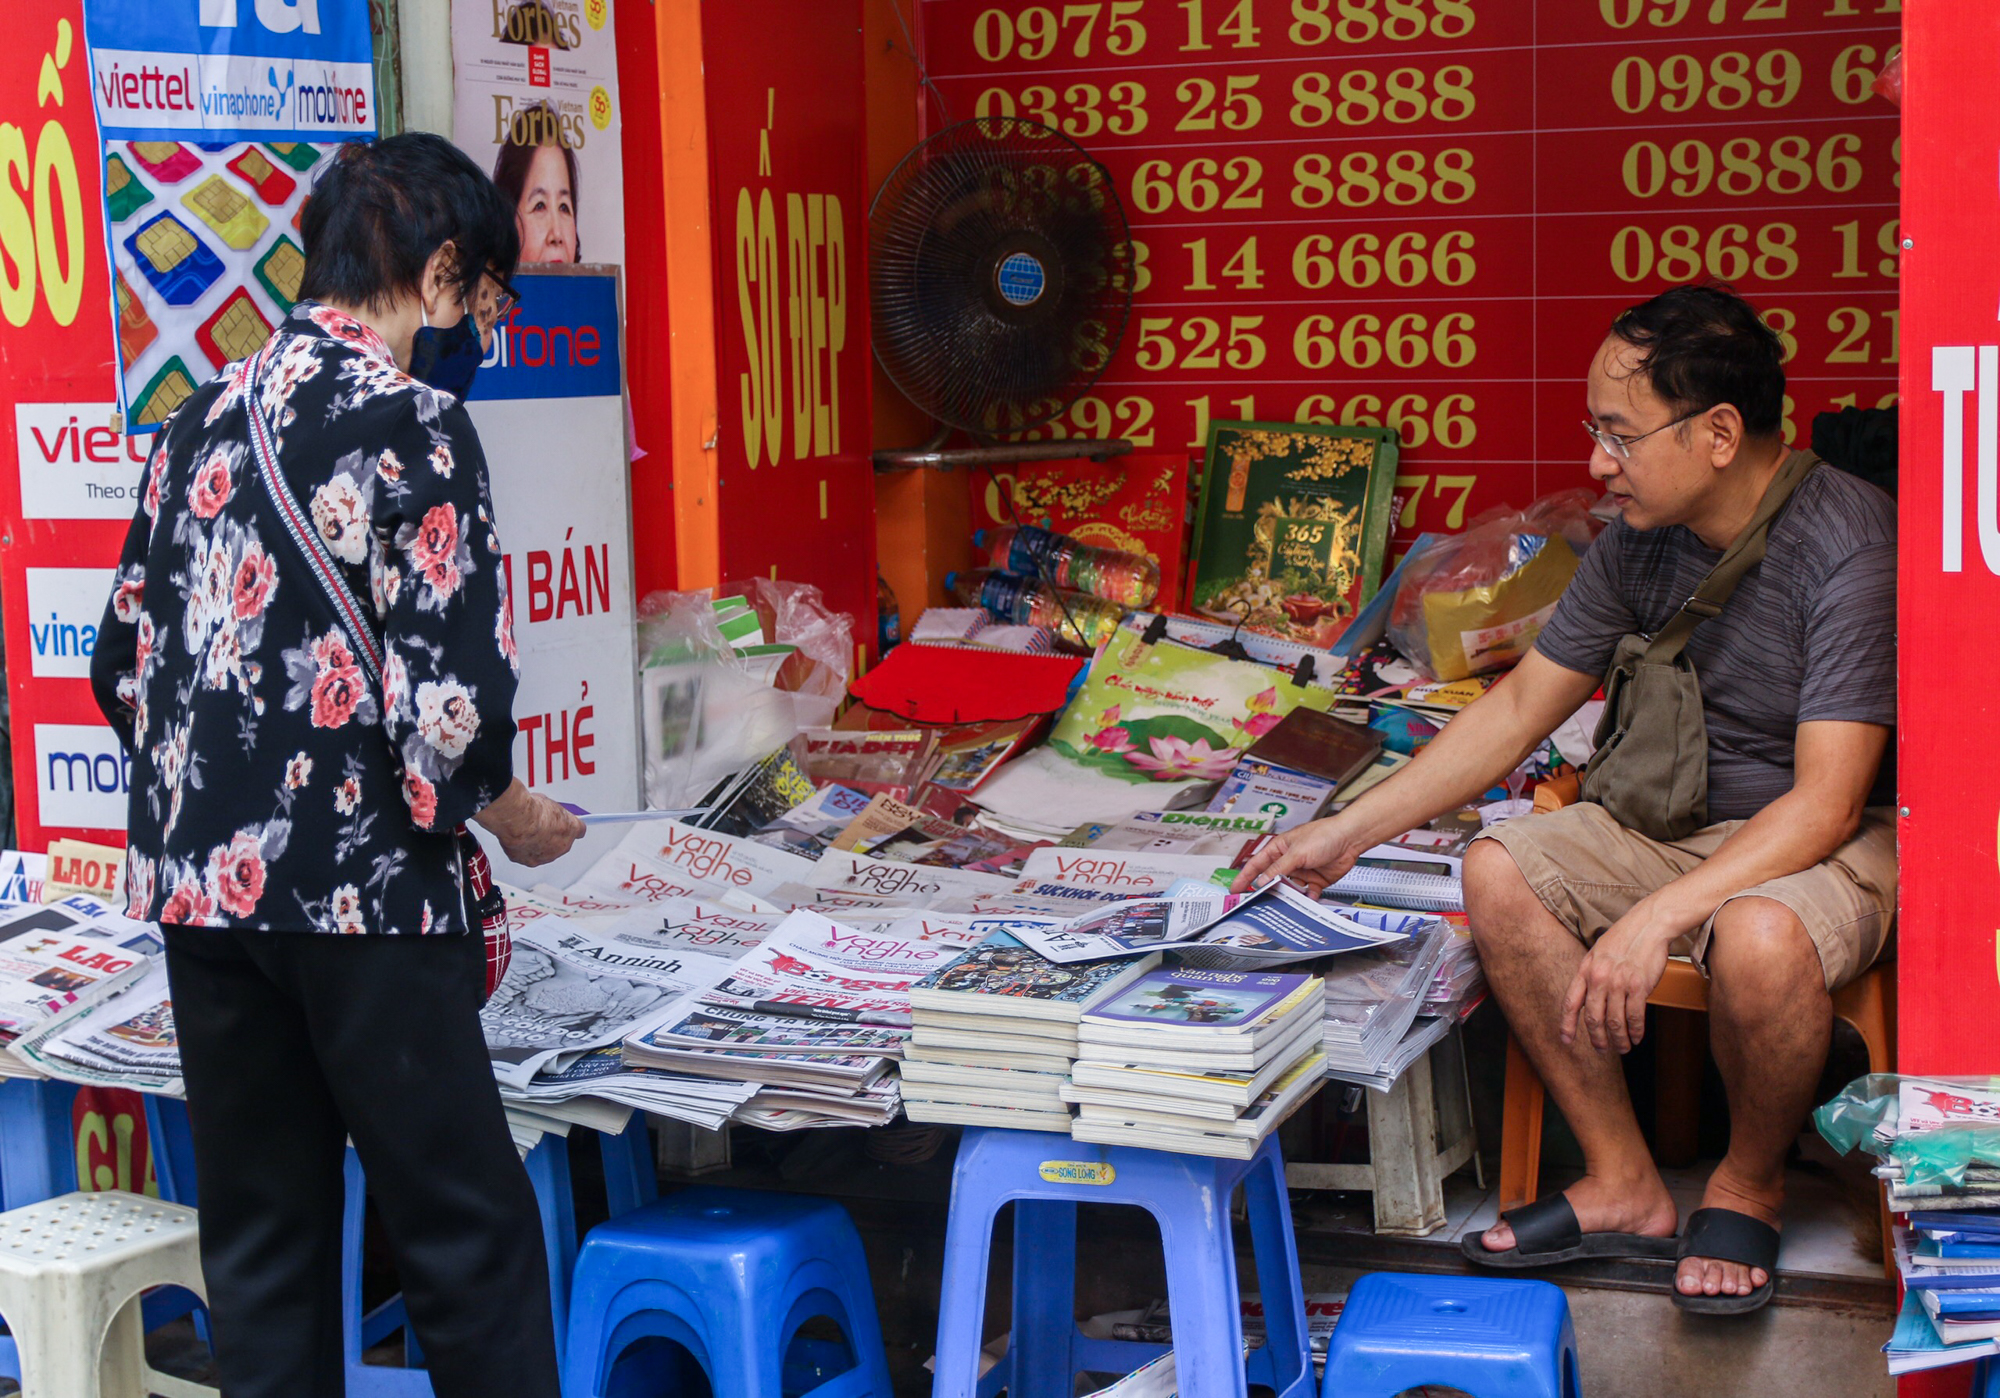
pixel 292 1042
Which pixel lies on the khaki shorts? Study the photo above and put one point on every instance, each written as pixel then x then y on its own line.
pixel 1589 871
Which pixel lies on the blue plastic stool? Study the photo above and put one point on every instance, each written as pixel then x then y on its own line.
pixel 1494 1337
pixel 1046 1176
pixel 730 1275
pixel 629 1183
pixel 1986 1379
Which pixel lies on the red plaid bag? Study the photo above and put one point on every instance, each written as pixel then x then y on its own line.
pixel 489 910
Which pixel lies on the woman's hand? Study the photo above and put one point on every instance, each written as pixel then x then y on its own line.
pixel 530 827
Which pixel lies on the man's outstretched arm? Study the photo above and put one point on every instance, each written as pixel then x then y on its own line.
pixel 1477 749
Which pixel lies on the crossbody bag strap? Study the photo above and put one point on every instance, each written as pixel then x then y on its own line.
pixel 1745 552
pixel 347 609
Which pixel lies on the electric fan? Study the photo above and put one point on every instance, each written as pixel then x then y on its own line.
pixel 1000 274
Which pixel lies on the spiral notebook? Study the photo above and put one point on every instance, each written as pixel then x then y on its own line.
pixel 1404 878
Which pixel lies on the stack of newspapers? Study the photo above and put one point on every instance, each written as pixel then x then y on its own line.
pixel 572 993
pixel 813 1016
pixel 1203 1062
pixel 83 996
pixel 1373 1002
pixel 993 1036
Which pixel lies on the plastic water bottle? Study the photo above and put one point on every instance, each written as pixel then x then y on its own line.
pixel 1132 580
pixel 1077 619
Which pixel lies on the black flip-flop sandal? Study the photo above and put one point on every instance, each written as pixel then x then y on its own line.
pixel 1546 1232
pixel 1724 1235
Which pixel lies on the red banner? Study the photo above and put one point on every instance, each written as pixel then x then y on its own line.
pixel 1950 577
pixel 69 490
pixel 1426 212
pixel 790 213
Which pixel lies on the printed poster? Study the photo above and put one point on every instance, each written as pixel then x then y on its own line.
pixel 536 104
pixel 214 118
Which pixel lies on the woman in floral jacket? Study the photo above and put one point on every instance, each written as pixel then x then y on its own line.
pixel 300 766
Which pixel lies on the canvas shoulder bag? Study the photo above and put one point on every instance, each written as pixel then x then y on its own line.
pixel 1650 772
pixel 485 906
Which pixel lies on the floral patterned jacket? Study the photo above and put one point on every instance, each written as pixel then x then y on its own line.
pixel 271 786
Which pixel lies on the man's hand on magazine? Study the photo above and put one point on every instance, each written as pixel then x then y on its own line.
pixel 530 827
pixel 1314 854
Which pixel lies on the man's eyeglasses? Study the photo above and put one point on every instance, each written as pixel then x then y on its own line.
pixel 1620 448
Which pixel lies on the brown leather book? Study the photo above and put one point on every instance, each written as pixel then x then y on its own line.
pixel 1319 745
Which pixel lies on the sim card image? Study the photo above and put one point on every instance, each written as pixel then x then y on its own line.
pixel 154 403
pixel 280 270
pixel 272 185
pixel 236 331
pixel 223 207
pixel 167 161
pixel 136 330
pixel 174 260
pixel 123 192
pixel 297 154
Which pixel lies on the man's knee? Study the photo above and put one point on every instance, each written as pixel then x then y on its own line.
pixel 1497 896
pixel 1759 948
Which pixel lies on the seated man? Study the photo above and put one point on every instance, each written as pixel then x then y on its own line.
pixel 1786 895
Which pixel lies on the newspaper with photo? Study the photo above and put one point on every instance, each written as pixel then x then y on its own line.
pixel 813 986
pixel 1131 926
pixel 569 988
pixel 127 1040
pixel 57 956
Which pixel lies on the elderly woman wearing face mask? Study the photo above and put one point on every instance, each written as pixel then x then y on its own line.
pixel 309 656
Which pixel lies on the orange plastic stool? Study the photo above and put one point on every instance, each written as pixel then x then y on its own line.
pixel 1868 1003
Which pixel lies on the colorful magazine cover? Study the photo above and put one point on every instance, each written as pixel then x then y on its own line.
pixel 1187 996
pixel 1293 525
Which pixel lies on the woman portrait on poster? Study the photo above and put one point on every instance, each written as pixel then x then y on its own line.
pixel 539 178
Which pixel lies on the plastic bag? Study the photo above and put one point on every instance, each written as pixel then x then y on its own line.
pixel 706 712
pixel 1475 602
pixel 1932 1127
pixel 796 614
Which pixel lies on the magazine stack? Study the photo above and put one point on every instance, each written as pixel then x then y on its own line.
pixel 1203 1062
pixel 992 1037
pixel 814 1015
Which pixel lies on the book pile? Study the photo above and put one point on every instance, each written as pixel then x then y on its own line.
pixel 1203 1062
pixel 1950 1264
pixel 992 1037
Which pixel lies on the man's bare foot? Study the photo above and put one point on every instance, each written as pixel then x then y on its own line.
pixel 1704 1276
pixel 1639 1204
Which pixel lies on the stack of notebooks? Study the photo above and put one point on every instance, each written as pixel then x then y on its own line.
pixel 1950 1263
pixel 992 1036
pixel 1196 1061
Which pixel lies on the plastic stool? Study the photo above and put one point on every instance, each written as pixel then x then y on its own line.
pixel 1491 1336
pixel 730 1275
pixel 629 1182
pixel 71 1270
pixel 1046 1176
pixel 38 1162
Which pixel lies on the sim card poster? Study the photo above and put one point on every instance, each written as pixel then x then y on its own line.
pixel 1424 213
pixel 215 116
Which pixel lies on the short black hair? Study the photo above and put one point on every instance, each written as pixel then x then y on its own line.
pixel 381 209
pixel 1702 346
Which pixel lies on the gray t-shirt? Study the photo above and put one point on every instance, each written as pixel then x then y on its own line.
pixel 1810 633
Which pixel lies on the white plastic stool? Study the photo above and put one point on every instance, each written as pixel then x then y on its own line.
pixel 71 1272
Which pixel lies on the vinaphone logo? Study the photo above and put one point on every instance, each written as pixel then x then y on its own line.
pixel 42 240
